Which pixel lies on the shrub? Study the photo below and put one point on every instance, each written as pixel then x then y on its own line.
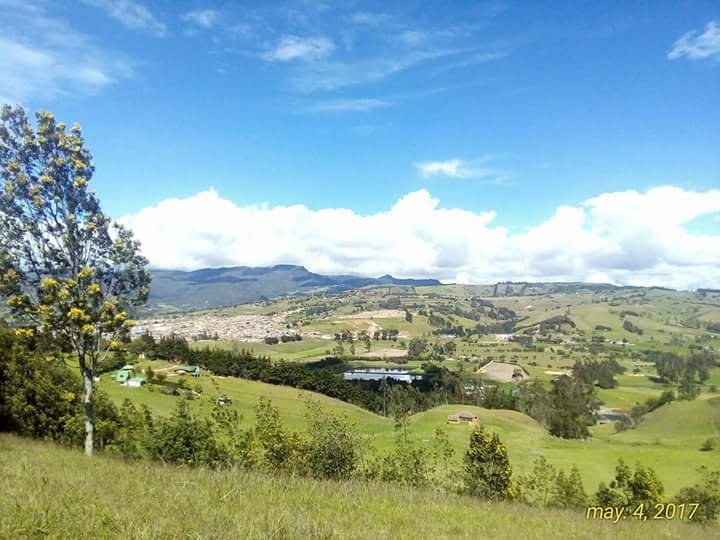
pixel 709 444
pixel 185 438
pixel 706 494
pixel 536 487
pixel 332 449
pixel 487 467
pixel 630 489
pixel 568 491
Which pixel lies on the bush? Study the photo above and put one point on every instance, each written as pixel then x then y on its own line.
pixel 568 491
pixel 709 444
pixel 487 467
pixel 536 487
pixel 406 464
pixel 332 449
pixel 185 438
pixel 630 489
pixel 706 494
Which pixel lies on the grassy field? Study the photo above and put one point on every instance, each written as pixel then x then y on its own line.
pixel 668 440
pixel 51 492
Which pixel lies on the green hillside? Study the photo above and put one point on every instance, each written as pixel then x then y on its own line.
pixel 51 492
pixel 668 439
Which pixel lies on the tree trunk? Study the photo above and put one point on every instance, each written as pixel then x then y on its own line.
pixel 89 411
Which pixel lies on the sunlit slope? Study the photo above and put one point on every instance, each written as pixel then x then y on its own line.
pixel 669 439
pixel 53 492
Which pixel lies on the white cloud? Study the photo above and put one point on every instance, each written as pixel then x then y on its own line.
pixel 349 105
pixel 131 14
pixel 623 237
pixel 458 168
pixel 202 18
pixel 413 38
pixel 300 48
pixel 332 74
pixel 42 57
pixel 698 46
pixel 369 19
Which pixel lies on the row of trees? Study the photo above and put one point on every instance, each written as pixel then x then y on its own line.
pixel 284 338
pixel 598 372
pixel 673 368
pixel 438 385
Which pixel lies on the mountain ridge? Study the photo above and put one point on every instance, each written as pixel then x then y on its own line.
pixel 232 285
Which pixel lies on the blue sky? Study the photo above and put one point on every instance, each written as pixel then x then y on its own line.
pixel 514 108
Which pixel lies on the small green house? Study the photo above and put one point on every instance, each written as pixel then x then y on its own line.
pixel 186 369
pixel 126 372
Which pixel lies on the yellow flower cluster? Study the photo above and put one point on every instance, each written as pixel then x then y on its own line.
pixel 94 289
pixel 85 272
pixel 88 328
pixel 49 283
pixel 24 332
pixel 10 275
pixel 78 315
pixel 15 300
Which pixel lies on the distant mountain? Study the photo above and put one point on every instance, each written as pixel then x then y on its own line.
pixel 218 287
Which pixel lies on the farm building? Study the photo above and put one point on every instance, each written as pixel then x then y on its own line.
pixel 378 374
pixel 463 418
pixel 135 382
pixel 188 370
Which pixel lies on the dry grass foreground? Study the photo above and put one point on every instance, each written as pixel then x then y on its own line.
pixel 52 492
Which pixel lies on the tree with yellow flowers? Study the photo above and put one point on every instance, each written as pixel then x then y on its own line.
pixel 487 470
pixel 66 270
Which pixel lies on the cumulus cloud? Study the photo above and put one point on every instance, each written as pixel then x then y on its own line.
pixel 131 14
pixel 291 48
pixel 696 46
pixel 625 237
pixel 43 57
